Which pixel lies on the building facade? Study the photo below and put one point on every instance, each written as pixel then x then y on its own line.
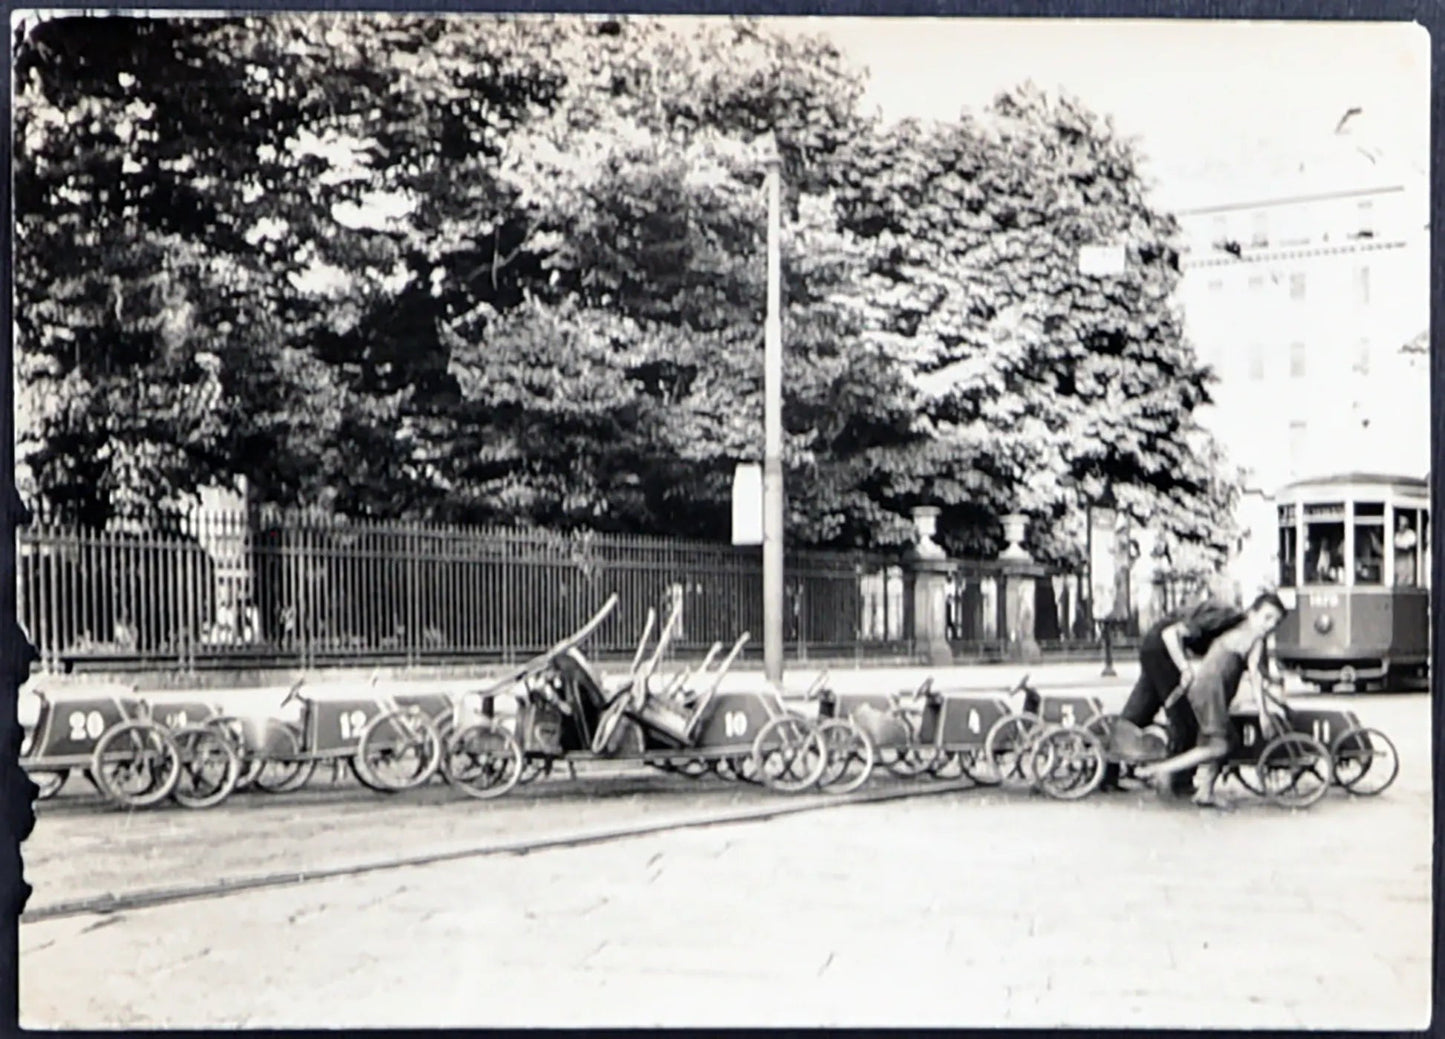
pixel 1309 296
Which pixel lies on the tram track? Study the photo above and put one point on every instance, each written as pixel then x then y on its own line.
pixel 109 904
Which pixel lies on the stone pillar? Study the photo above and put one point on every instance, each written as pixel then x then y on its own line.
pixel 930 571
pixel 1017 576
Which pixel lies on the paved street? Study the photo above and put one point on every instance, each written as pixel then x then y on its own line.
pixel 976 908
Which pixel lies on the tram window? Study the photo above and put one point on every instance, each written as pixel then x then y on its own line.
pixel 1369 543
pixel 1324 553
pixel 1407 548
pixel 1288 548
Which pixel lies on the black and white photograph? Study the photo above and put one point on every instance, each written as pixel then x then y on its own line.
pixel 655 520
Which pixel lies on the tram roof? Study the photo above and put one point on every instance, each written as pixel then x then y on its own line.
pixel 1412 483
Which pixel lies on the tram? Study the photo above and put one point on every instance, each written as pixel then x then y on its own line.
pixel 1354 554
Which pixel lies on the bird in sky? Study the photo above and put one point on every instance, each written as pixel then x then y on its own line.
pixel 1349 114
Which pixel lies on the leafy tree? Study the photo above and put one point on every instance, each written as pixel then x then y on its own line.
pixel 1043 385
pixel 512 269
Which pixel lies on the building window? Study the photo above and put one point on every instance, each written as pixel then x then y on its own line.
pixel 1256 361
pixel 1297 285
pixel 1259 229
pixel 1216 286
pixel 1297 360
pixel 1362 286
pixel 1256 284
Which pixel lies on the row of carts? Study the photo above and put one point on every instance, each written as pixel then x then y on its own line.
pixel 557 708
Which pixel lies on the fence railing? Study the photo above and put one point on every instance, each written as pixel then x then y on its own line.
pixel 228 589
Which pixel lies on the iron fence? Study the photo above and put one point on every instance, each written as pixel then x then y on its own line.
pixel 263 588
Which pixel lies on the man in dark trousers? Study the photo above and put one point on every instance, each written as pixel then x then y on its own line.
pixel 1167 654
pixel 1212 690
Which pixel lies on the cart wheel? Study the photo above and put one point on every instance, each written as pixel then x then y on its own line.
pixel 1005 749
pixel 975 765
pixel 483 760
pixel 1067 763
pixel 1101 727
pixel 399 750
pixel 136 763
pixel 909 760
pixel 233 731
pixel 210 767
pixel 444 726
pixel 739 768
pixel 849 756
pixel 283 768
pixel 788 754
pixel 1362 753
pixel 1245 773
pixel 48 783
pixel 1295 770
pixel 948 765
pixel 694 768
pixel 360 774
pixel 912 762
pixel 534 768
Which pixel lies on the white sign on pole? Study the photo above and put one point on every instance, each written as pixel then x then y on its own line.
pixel 1101 261
pixel 748 504
pixel 1101 561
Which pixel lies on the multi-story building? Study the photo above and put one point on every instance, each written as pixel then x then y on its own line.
pixel 1309 296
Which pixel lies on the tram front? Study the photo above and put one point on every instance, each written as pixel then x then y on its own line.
pixel 1354 551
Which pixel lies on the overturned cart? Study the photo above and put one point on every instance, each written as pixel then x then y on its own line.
pixel 566 712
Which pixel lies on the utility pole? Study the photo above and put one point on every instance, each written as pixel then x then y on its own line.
pixel 773 434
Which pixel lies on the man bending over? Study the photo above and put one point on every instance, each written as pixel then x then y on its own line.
pixel 1212 689
pixel 1167 655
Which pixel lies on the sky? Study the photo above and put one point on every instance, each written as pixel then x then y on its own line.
pixel 1211 102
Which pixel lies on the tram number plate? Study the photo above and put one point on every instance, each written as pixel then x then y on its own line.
pixel 1324 599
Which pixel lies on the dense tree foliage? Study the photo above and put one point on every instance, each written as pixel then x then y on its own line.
pixel 513 269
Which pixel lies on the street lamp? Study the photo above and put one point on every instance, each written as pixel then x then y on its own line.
pixel 1105 510
pixel 1105 259
pixel 773 432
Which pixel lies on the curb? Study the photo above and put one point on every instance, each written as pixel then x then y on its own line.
pixel 146 899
